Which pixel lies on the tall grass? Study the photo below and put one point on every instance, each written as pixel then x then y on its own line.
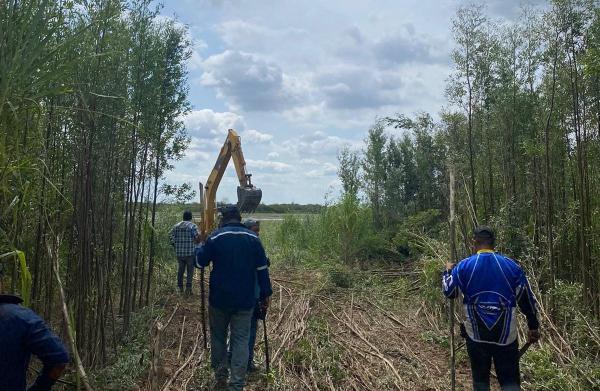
pixel 340 233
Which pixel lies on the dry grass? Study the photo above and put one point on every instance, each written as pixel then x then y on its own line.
pixel 321 338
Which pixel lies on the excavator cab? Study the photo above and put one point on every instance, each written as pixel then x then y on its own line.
pixel 249 196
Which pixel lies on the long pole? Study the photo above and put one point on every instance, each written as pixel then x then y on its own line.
pixel 202 308
pixel 203 238
pixel 451 304
pixel 267 358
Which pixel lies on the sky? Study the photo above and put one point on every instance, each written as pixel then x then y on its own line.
pixel 299 80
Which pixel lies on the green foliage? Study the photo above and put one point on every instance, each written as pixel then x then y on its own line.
pixel 25 277
pixel 132 356
pixel 348 229
pixel 341 277
pixel 569 312
pixel 349 172
pixel 91 102
pixel 408 237
pixel 373 166
pixel 180 194
pixel 342 232
pixel 315 352
pixel 542 371
pixel 431 285
pixel 432 337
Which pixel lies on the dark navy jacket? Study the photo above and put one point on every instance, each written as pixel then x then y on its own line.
pixel 493 286
pixel 239 263
pixel 23 333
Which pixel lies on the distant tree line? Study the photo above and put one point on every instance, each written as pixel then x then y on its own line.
pixel 91 96
pixel 289 208
pixel 522 132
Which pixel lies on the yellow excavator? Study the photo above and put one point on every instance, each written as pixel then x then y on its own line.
pixel 249 196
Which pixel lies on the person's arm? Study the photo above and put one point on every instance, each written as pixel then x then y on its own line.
pixel 44 344
pixel 450 281
pixel 204 254
pixel 262 273
pixel 527 304
pixel 172 237
pixel 195 234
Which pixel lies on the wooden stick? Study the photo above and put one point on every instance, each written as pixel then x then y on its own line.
pixel 65 312
pixel 202 308
pixel 171 317
pixel 185 364
pixel 155 356
pixel 451 301
pixel 181 338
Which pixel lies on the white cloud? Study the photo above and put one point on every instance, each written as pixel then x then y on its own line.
pixel 245 35
pixel 269 164
pixel 206 123
pixel 208 130
pixel 315 144
pixel 312 162
pixel 326 170
pixel 249 82
pixel 255 136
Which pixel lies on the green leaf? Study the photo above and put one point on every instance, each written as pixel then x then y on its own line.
pixel 25 278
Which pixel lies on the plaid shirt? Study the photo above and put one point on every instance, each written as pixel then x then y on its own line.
pixel 182 238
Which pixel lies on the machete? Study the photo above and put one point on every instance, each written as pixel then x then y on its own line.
pixel 524 349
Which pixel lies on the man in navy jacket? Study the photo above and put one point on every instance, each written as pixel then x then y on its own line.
pixel 23 333
pixel 239 264
pixel 493 286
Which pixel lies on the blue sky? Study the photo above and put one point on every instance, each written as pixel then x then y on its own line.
pixel 301 79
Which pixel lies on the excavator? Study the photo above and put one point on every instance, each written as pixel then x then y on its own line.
pixel 248 195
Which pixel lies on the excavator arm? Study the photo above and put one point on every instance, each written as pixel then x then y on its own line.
pixel 249 196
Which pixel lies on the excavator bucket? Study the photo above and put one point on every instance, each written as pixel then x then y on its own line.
pixel 248 198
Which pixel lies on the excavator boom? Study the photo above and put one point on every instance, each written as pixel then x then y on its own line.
pixel 249 196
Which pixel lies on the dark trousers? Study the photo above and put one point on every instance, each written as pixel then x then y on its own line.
pixel 506 363
pixel 185 263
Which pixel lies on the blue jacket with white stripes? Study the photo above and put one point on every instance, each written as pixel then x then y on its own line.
pixel 239 262
pixel 493 286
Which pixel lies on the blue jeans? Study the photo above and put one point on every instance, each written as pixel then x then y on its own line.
pixel 238 322
pixel 251 341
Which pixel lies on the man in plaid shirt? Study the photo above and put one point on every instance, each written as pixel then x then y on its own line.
pixel 184 236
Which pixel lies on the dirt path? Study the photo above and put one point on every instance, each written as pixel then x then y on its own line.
pixel 321 338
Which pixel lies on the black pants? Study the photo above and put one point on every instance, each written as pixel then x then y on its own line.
pixel 185 263
pixel 506 363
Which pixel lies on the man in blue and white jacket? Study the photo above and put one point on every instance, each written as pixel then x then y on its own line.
pixel 239 264
pixel 493 286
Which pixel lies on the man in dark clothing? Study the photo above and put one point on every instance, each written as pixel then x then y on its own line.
pixel 239 265
pixel 184 236
pixel 493 286
pixel 23 333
